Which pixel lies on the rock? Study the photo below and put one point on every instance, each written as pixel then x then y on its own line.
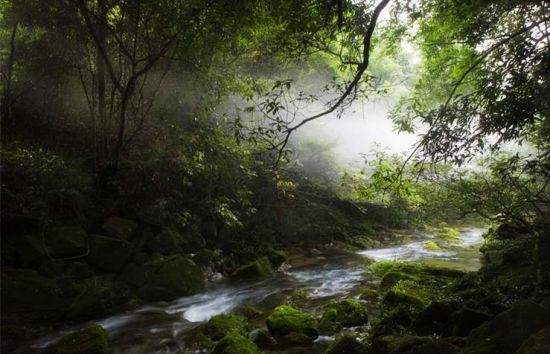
pixel 397 343
pixel 248 312
pixel 286 319
pixel 52 268
pixel 435 319
pixel 133 275
pixel 91 340
pixel 277 258
pixel 296 339
pixel 98 296
pixel 171 277
pixel 347 313
pixel 108 254
pixel 506 332
pixel 391 278
pixel 66 241
pixel 166 242
pixel 467 319
pixel 204 257
pixel 347 344
pixel 369 295
pixel 27 296
pixel 259 267
pixel 79 271
pixel 220 325
pixel 538 343
pixel 435 347
pixel 30 251
pixel 198 342
pixel 157 214
pixel 235 343
pixel 264 340
pixel 119 228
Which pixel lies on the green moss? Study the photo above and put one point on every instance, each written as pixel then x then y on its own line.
pixel 286 319
pixel 258 268
pixel 297 338
pixel 91 340
pixel 449 234
pixel 432 246
pixel 277 258
pixel 298 298
pixel 198 341
pixel 391 278
pixel 347 344
pixel 369 294
pixel 345 313
pixel 235 343
pixel 220 325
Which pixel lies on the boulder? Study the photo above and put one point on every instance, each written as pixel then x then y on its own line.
pixel 258 268
pixel 119 228
pixel 537 343
pixel 27 296
pixel 435 347
pixel 108 254
pixel 397 343
pixel 286 320
pixel 220 325
pixel 133 275
pixel 235 343
pixel 264 340
pixel 435 319
pixel 166 242
pixel 171 277
pixel 391 278
pixel 347 313
pixel 66 241
pixel 347 344
pixel 466 319
pixel 97 296
pixel 277 258
pixel 91 340
pixel 30 251
pixel 506 332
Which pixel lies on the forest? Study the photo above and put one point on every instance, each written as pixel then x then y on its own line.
pixel 271 176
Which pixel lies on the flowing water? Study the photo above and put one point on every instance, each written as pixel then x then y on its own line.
pixel 159 327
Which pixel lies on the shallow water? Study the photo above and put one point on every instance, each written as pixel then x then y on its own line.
pixel 159 327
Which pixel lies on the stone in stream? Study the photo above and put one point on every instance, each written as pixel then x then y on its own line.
pixel 347 344
pixel 292 326
pixel 345 313
pixel 91 340
pixel 235 343
pixel 220 325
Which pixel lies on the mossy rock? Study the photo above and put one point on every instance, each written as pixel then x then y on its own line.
pixel 66 241
pixel 205 257
pixel 507 331
pixel 345 313
pixel 432 246
pixel 264 339
pixel 437 319
pixel 133 275
pixel 298 298
pixel 235 343
pixel 296 339
pixel 248 312
pixel 198 341
pixel 166 242
pixel 91 340
pixel 369 294
pixel 30 251
pixel 538 343
pixel 391 278
pixel 435 347
pixel 258 268
pixel 286 319
pixel 108 254
pixel 171 277
pixel 277 257
pixel 347 344
pixel 448 234
pixel 397 343
pixel 466 319
pixel 28 296
pixel 220 325
pixel 394 298
pixel 119 227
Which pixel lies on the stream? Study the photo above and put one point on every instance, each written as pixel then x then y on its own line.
pixel 159 327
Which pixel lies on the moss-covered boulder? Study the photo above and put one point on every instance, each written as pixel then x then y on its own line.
pixel 435 347
pixel 538 343
pixel 66 241
pixel 437 318
pixel 133 275
pixel 168 241
pixel 97 296
pixel 28 296
pixel 91 340
pixel 286 320
pixel 258 268
pixel 235 343
pixel 466 319
pixel 347 312
pixel 277 257
pixel 369 294
pixel 220 325
pixel 30 251
pixel 347 344
pixel 391 278
pixel 506 332
pixel 391 344
pixel 264 339
pixel 109 254
pixel 432 246
pixel 198 342
pixel 171 277
pixel 119 228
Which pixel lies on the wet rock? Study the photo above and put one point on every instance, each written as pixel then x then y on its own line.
pixel 30 251
pixel 277 258
pixel 347 313
pixel 258 268
pixel 466 319
pixel 347 344
pixel 119 228
pixel 506 332
pixel 538 343
pixel 264 340
pixel 66 241
pixel 108 254
pixel 170 277
pixel 235 343
pixel 220 325
pixel 91 340
pixel 286 320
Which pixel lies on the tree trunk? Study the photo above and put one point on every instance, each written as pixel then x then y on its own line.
pixel 100 64
pixel 7 113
